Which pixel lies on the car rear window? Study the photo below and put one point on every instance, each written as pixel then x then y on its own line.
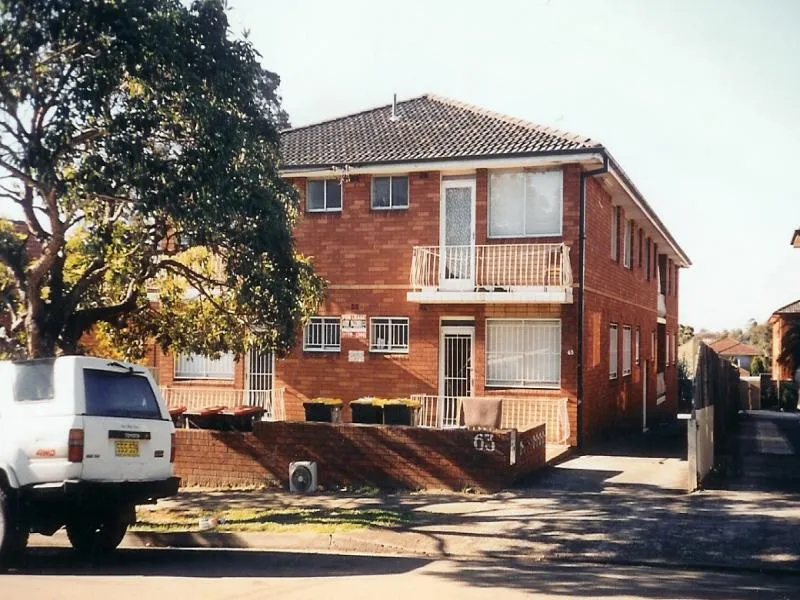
pixel 110 394
pixel 33 380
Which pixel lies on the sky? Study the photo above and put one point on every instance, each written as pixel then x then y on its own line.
pixel 698 101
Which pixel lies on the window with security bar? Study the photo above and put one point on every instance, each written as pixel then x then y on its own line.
pixel 523 353
pixel 196 366
pixel 388 334
pixel 323 334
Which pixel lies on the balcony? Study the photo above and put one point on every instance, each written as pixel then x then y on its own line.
pixel 496 273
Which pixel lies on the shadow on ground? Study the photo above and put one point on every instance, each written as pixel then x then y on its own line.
pixel 212 563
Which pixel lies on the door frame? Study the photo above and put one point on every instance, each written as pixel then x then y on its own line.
pixel 457 330
pixel 247 372
pixel 645 364
pixel 456 182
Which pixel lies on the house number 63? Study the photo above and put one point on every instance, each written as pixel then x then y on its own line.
pixel 484 442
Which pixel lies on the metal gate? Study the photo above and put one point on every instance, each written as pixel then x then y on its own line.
pixel 455 372
pixel 260 370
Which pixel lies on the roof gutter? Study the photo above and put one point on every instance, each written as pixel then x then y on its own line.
pixel 593 156
pixel 581 286
pixel 631 190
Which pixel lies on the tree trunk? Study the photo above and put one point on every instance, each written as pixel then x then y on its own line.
pixel 41 343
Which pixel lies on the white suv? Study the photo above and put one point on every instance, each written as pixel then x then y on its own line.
pixel 82 442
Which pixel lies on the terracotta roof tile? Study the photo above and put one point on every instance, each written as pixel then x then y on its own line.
pixel 791 308
pixel 731 347
pixel 427 128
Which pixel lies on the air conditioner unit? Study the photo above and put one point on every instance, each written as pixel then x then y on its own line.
pixel 302 477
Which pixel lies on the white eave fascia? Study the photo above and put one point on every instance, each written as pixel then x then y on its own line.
pixel 450 165
pixel 647 211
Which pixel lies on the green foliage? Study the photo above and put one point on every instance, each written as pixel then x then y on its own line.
pixel 757 366
pixel 138 138
pixel 788 396
pixel 685 333
pixel 685 389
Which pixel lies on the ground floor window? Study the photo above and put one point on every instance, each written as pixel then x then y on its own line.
pixel 323 334
pixel 388 334
pixel 523 353
pixel 196 366
pixel 613 351
pixel 626 350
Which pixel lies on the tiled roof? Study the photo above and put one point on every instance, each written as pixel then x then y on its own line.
pixel 730 347
pixel 796 238
pixel 791 308
pixel 426 128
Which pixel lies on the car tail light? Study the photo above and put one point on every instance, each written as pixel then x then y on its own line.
pixel 172 448
pixel 75 452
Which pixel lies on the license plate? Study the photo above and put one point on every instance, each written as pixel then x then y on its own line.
pixel 126 448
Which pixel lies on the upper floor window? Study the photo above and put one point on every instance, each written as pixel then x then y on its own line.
pixel 636 344
pixel 389 192
pixel 323 334
pixel 614 233
pixel 324 195
pixel 628 245
pixel 197 366
pixel 525 203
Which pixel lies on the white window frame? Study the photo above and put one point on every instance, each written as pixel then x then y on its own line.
pixel 521 382
pixel 492 236
pixel 391 347
pixel 325 195
pixel 391 193
pixel 614 233
pixel 637 345
pixel 613 351
pixel 667 351
pixel 626 350
pixel 324 346
pixel 205 368
pixel 627 252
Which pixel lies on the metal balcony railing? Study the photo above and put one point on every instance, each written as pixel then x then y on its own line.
pixel 197 398
pixel 491 267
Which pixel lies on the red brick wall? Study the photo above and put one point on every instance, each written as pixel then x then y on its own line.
pixel 623 296
pixel 386 457
pixel 780 325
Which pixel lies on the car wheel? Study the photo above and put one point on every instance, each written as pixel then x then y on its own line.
pixel 13 533
pixel 97 535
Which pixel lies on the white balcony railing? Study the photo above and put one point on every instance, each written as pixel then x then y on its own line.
pixel 197 398
pixel 444 412
pixel 492 267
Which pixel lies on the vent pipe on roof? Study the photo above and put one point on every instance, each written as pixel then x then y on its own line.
pixel 394 116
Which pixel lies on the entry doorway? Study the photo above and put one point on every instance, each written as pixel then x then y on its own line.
pixel 456 346
pixel 457 234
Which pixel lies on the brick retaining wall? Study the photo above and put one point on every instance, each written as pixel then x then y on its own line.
pixel 368 455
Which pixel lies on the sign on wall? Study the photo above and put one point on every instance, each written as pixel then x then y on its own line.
pixel 356 356
pixel 354 326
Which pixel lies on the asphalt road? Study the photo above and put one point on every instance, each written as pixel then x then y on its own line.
pixel 55 573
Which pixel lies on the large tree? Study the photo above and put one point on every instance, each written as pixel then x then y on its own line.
pixel 139 142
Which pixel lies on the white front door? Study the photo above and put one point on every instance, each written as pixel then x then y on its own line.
pixel 457 234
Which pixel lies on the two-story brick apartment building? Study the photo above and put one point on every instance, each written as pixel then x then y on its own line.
pixel 473 254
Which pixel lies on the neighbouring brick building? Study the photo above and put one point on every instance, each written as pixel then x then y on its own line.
pixel 781 320
pixel 472 254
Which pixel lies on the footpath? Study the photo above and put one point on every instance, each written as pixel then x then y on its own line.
pixel 622 504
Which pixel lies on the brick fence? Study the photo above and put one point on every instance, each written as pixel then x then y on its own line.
pixel 355 455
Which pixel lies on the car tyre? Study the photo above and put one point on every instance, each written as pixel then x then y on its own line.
pixel 98 535
pixel 13 532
